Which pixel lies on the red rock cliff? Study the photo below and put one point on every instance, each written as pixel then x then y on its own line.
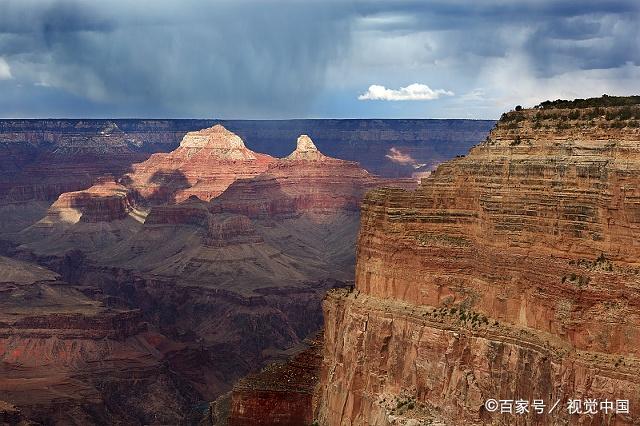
pixel 511 273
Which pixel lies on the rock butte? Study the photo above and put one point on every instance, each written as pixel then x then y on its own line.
pixel 105 201
pixel 510 273
pixel 204 165
pixel 305 150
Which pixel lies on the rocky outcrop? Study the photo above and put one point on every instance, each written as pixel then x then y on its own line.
pixel 304 181
pixel 511 273
pixel 204 165
pixel 280 394
pixel 305 150
pixel 106 201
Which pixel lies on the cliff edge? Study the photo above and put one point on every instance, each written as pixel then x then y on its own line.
pixel 510 274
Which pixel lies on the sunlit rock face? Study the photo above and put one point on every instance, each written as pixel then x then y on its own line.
pixel 305 150
pixel 511 273
pixel 218 143
pixel 104 202
pixel 204 165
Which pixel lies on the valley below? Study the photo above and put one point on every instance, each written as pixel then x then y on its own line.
pixel 146 269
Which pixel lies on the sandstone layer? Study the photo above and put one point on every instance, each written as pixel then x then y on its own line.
pixel 511 273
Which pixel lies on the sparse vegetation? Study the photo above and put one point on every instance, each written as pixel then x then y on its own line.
pixel 600 264
pixel 603 101
pixel 475 319
pixel 576 279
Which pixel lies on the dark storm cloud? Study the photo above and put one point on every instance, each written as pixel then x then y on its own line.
pixel 274 58
pixel 561 35
pixel 188 57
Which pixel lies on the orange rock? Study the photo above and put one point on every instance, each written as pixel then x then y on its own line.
pixel 204 165
pixel 510 273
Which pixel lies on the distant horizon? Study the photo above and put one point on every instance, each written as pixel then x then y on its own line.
pixel 240 119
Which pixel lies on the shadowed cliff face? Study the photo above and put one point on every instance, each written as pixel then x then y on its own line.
pixel 70 355
pixel 510 273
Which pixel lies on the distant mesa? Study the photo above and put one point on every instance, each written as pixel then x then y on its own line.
pixel 306 150
pixel 222 143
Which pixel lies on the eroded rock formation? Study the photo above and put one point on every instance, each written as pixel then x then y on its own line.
pixel 511 273
pixel 69 358
pixel 205 164
pixel 282 393
pixel 40 159
pixel 222 249
pixel 104 202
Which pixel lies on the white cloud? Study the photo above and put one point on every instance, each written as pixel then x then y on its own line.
pixel 5 70
pixel 400 157
pixel 413 92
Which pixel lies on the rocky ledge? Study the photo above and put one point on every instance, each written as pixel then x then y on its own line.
pixel 105 201
pixel 282 393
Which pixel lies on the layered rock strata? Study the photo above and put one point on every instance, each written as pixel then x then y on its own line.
pixel 105 201
pixel 40 159
pixel 281 394
pixel 67 358
pixel 204 165
pixel 511 273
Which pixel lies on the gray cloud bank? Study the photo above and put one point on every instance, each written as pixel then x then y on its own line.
pixel 276 58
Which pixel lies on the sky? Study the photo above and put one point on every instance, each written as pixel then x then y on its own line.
pixel 279 59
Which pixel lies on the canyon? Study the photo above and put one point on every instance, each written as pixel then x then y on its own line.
pixel 70 355
pixel 510 273
pixel 182 272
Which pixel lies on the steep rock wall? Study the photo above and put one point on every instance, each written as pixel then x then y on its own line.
pixel 510 273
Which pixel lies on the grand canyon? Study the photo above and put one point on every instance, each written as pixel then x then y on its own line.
pixel 319 213
pixel 145 278
pixel 214 284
